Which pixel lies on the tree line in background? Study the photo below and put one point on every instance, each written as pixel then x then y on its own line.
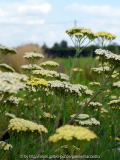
pixel 63 46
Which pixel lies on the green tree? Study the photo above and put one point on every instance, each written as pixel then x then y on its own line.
pixel 44 46
pixel 56 45
pixel 63 44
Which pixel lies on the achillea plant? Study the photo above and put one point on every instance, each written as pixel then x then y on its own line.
pixel 45 116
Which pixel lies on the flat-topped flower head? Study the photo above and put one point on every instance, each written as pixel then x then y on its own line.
pixel 62 76
pixel 47 115
pixel 49 65
pixel 37 82
pixel 78 35
pixel 91 121
pixel 10 115
pixel 103 110
pixel 10 84
pixel 94 83
pixel 30 66
pixel 84 119
pixel 5 146
pixel 77 70
pixel 114 102
pixel 64 88
pixel 95 104
pixel 116 84
pixel 12 100
pixel 81 116
pixel 6 50
pixel 32 56
pixel 81 33
pixel 22 125
pixel 68 132
pixel 108 56
pixel 106 35
pixel 6 68
pixel 99 70
pixel 44 73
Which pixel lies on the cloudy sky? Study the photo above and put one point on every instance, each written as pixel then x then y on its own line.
pixel 45 21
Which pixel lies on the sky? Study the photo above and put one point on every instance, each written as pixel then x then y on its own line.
pixel 45 21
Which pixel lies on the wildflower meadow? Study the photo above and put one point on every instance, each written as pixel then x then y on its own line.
pixel 47 115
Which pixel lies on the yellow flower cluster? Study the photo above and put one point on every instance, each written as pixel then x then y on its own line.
pixel 6 68
pixel 37 82
pixel 5 50
pixel 68 132
pixel 49 63
pixel 5 146
pixel 106 35
pixel 117 139
pixel 94 83
pixel 45 73
pixel 77 69
pixel 80 32
pixel 18 124
pixel 107 91
pixel 102 110
pixel 47 115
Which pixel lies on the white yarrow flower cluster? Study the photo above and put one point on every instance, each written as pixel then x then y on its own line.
pixel 116 84
pixel 10 115
pixel 30 66
pixel 6 67
pixel 63 76
pixel 12 99
pixel 33 56
pixel 44 72
pixel 10 84
pixel 89 121
pixel 65 86
pixel 108 56
pixel 114 102
pixel 80 116
pixel 95 104
pixel 5 50
pixel 100 69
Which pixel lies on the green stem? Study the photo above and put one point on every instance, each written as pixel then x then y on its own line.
pixel 91 98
